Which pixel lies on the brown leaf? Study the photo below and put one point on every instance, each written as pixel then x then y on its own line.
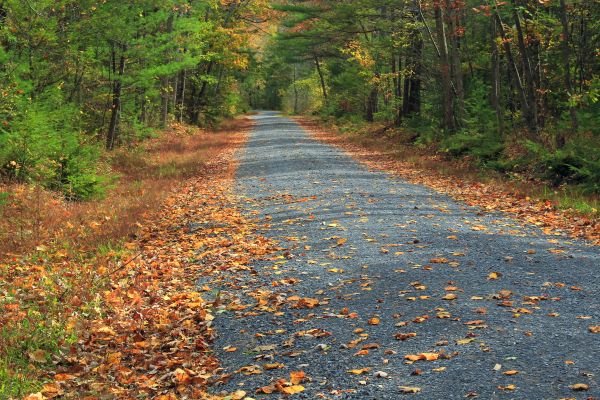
pixel 580 387
pixel 404 336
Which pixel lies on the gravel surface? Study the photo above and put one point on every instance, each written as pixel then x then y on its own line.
pixel 368 245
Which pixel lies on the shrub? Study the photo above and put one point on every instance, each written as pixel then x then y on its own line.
pixel 578 163
pixel 484 147
pixel 43 145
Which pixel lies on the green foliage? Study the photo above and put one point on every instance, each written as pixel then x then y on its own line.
pixel 382 61
pixel 484 147
pixel 43 145
pixel 65 65
pixel 578 163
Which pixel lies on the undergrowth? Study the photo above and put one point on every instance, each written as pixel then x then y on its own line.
pixel 58 255
pixel 568 177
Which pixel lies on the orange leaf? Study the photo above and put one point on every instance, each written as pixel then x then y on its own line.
pixel 297 377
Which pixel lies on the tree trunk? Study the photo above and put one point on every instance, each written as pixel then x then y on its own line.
pixel 447 112
pixel 164 115
pixel 495 72
pixel 532 117
pixel 321 77
pixel 111 136
pixel 165 83
pixel 451 17
pixel 197 96
pixel 397 83
pixel 372 104
pixel 412 81
pixel 295 92
pixel 182 95
pixel 513 69
pixel 567 66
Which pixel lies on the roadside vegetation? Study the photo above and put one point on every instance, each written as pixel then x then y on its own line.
pixel 60 258
pixel 105 107
pixel 512 87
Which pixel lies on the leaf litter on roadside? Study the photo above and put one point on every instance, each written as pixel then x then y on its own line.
pixel 154 338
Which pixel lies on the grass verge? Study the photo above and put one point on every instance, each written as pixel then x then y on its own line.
pixel 567 209
pixel 57 258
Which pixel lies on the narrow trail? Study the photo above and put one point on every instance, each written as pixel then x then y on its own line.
pixel 376 269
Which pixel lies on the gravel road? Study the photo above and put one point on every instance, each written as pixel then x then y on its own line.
pixel 383 257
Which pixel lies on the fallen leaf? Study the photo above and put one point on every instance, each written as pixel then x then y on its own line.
pixel 292 389
pixel 494 275
pixel 297 377
pixel 381 374
pixel 409 389
pixel 580 387
pixel 438 260
pixel 404 336
pixel 507 387
pixel 358 371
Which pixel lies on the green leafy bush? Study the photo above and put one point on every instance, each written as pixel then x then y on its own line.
pixel 578 163
pixel 484 147
pixel 43 145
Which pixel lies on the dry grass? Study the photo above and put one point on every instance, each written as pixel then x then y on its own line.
pixel 565 209
pixel 57 257
pixel 397 145
pixel 35 218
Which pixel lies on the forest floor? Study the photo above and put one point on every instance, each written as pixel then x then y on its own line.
pixel 105 305
pixel 285 266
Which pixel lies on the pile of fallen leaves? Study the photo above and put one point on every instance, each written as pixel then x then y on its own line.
pixel 152 337
pixel 542 213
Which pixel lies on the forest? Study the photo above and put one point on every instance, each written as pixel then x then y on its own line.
pixel 512 84
pixel 122 126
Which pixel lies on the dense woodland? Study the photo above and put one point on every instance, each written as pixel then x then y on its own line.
pixel 117 135
pixel 512 84
pixel 80 76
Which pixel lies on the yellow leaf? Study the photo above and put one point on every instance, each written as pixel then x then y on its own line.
pixel 507 387
pixel 293 389
pixel 494 275
pixel 579 387
pixel 358 371
pixel 238 395
pixel 409 389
